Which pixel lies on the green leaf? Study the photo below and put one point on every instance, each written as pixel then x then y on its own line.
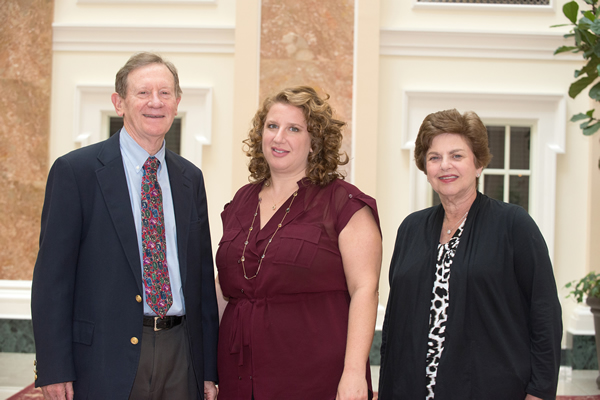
pixel 589 38
pixel 577 33
pixel 570 10
pixel 595 27
pixel 563 49
pixel 590 130
pixel 589 15
pixel 590 113
pixel 595 92
pixel 579 117
pixel 591 67
pixel 585 124
pixel 559 25
pixel 577 86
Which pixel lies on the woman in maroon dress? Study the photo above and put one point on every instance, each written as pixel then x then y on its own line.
pixel 299 263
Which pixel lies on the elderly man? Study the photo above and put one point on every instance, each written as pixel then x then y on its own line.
pixel 123 298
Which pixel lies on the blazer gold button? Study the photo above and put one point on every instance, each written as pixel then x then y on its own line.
pixel 138 298
pixel 34 362
pixel 134 340
pixel 36 377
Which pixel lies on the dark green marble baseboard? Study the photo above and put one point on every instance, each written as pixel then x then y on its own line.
pixel 16 336
pixel 581 356
pixel 375 355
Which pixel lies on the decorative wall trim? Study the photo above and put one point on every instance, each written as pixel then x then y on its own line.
pixel 15 299
pixel 546 113
pixel 163 2
pixel 93 108
pixel 581 321
pixel 427 43
pixel 484 7
pixel 171 39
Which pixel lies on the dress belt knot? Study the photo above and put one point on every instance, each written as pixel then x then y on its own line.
pixel 240 334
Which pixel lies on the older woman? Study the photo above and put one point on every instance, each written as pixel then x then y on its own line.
pixel 299 263
pixel 473 311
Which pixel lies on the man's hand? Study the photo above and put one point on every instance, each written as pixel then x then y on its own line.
pixel 59 391
pixel 210 390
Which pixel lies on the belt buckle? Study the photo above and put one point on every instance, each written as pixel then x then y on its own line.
pixel 156 329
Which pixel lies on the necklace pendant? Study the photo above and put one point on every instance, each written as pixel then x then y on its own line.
pixel 274 207
pixel 448 231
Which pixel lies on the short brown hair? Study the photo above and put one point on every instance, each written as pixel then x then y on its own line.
pixel 324 130
pixel 468 125
pixel 139 60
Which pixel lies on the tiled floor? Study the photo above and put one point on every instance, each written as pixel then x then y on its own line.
pixel 16 372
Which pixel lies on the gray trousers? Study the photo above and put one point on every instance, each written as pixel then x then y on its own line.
pixel 165 370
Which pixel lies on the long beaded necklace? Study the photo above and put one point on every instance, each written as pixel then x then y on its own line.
pixel 287 211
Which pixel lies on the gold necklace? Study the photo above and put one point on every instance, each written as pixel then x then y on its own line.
pixel 287 211
pixel 463 217
pixel 274 206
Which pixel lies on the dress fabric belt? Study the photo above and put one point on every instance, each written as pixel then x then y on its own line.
pixel 240 334
pixel 159 323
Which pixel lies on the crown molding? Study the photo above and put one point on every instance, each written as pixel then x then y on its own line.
pixel 171 39
pixel 484 7
pixel 164 2
pixel 465 44
pixel 15 299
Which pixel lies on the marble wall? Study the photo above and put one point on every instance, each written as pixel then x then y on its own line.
pixel 310 42
pixel 25 77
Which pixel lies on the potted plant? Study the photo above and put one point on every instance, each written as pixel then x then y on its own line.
pixel 588 287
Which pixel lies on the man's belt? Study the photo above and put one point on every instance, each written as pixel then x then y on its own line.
pixel 159 323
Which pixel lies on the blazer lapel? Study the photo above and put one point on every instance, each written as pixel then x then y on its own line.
pixel 113 184
pixel 181 190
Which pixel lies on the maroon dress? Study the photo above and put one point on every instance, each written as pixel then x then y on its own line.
pixel 283 334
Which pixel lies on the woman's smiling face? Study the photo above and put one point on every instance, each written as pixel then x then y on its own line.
pixel 286 142
pixel 451 167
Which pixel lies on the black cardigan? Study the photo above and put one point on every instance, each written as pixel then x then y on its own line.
pixel 504 326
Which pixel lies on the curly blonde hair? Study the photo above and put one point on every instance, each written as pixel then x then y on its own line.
pixel 324 130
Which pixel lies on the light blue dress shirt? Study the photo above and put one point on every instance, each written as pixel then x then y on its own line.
pixel 134 157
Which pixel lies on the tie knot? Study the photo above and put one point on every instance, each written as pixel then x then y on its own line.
pixel 151 165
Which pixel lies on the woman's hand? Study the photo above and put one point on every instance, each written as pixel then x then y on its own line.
pixel 353 386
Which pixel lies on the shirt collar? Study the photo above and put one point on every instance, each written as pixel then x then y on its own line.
pixel 136 154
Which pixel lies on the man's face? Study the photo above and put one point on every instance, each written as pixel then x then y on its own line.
pixel 150 105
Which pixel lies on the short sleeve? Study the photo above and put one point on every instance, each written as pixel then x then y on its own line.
pixel 348 199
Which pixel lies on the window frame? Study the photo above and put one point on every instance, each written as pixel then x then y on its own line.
pixel 93 109
pixel 545 113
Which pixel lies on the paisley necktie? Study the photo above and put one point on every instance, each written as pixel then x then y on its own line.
pixel 154 246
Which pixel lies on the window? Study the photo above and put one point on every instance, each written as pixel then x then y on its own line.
pixel 512 2
pixel 506 178
pixel 172 138
pixel 537 126
pixel 193 123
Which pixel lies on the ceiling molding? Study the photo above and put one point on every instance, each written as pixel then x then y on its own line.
pixel 162 2
pixel 129 39
pixel 463 44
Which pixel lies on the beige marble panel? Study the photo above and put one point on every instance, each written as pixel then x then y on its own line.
pixel 310 42
pixel 25 74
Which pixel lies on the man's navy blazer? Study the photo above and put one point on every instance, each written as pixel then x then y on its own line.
pixel 86 301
